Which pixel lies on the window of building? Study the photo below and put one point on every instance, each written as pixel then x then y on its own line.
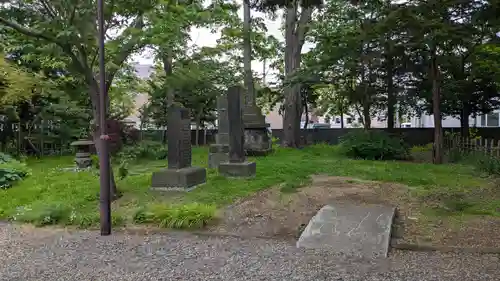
pixel 483 120
pixel 337 120
pixel 492 119
pixel 360 120
pixel 349 120
pixel 327 119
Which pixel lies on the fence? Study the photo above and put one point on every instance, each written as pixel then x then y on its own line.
pixel 477 145
pixel 46 140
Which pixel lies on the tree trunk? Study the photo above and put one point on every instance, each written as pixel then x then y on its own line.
pixel 197 137
pixel 464 122
pixel 167 60
pixel 391 97
pixel 306 110
pixel 342 118
pixel 247 54
pixel 436 100
pixel 367 122
pixel 294 40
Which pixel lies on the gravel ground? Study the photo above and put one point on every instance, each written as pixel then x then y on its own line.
pixel 47 254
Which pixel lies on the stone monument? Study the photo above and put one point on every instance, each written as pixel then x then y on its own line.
pixel 257 139
pixel 237 166
pixel 219 152
pixel 351 229
pixel 179 176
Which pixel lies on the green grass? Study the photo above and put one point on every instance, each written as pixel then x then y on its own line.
pixel 52 196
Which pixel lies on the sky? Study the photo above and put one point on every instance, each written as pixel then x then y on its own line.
pixel 203 37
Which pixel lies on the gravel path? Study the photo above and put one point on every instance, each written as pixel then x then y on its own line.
pixel 47 254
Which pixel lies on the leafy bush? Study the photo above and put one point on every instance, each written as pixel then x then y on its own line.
pixel 41 214
pixel 373 145
pixel 192 215
pixel 484 163
pixel 144 150
pixel 11 170
pixel 422 148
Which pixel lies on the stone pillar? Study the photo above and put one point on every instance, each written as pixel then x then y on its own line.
pixel 257 138
pixel 179 176
pixel 237 166
pixel 218 152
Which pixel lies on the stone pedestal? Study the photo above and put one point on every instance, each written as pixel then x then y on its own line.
pixel 185 179
pixel 238 170
pixel 217 153
pixel 179 176
pixel 258 142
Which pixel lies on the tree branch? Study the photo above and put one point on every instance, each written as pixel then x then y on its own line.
pixel 26 31
pixel 303 26
pixel 49 10
pixel 125 50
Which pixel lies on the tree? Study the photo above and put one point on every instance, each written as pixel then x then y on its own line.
pixel 298 16
pixel 70 27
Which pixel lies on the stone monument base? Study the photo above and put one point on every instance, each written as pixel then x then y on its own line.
pixel 351 229
pixel 217 153
pixel 257 141
pixel 238 170
pixel 185 179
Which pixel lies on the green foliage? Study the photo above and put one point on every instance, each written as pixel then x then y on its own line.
pixel 43 214
pixel 373 145
pixel 144 150
pixel 483 162
pixel 11 171
pixel 95 161
pixel 193 215
pixel 422 148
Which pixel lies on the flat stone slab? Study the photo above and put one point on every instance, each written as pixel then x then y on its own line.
pixel 357 230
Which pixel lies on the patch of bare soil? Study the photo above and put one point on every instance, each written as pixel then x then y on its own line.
pixel 271 213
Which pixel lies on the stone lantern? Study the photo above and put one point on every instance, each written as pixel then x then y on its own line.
pixel 82 157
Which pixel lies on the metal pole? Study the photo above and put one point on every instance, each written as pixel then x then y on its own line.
pixel 105 196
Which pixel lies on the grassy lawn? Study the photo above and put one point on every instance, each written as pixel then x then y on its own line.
pixel 53 196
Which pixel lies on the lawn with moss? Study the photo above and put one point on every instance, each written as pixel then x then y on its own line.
pixel 54 196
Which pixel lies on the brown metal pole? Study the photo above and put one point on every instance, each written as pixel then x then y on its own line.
pixel 105 192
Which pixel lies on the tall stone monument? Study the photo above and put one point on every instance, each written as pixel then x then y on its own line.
pixel 237 166
pixel 219 152
pixel 257 139
pixel 179 176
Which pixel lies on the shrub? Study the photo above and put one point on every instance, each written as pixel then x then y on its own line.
pixel 373 145
pixel 177 216
pixel 484 163
pixel 11 170
pixel 422 148
pixel 41 215
pixel 144 150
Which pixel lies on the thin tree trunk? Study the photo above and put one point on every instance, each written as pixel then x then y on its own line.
pixel 166 57
pixel 436 100
pixel 366 116
pixel 247 54
pixel 342 118
pixel 391 98
pixel 464 122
